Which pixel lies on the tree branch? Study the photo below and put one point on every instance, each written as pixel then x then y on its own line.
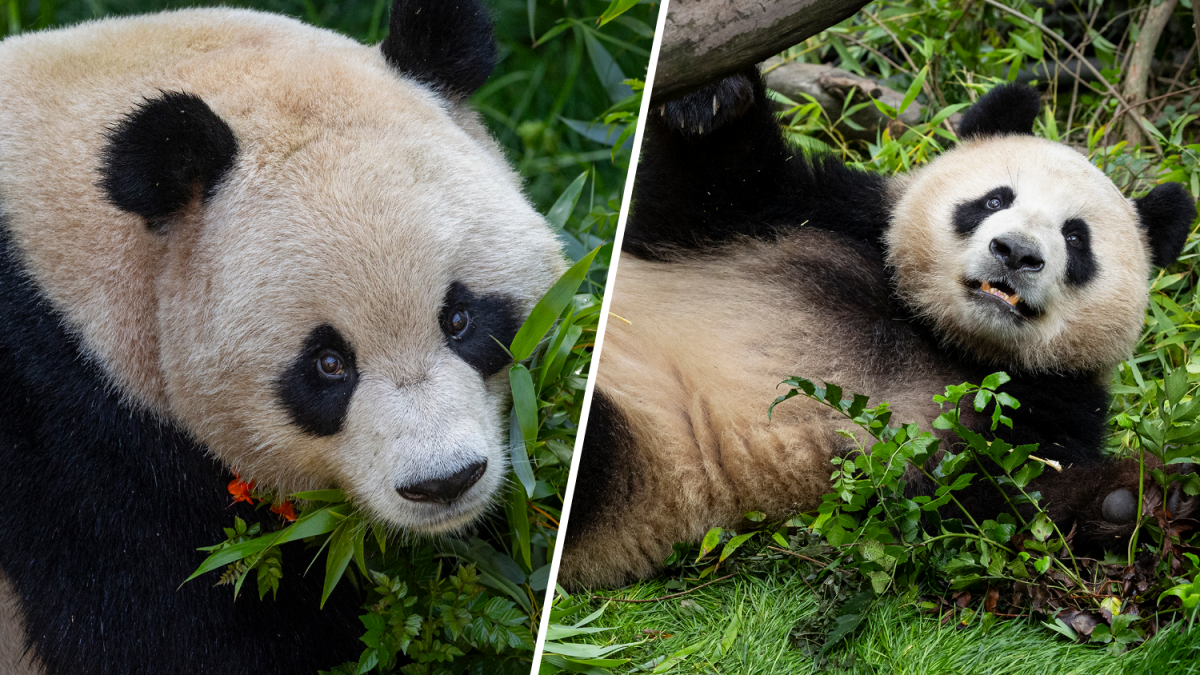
pixel 705 40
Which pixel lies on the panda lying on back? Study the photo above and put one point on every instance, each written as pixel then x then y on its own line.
pixel 747 263
pixel 226 235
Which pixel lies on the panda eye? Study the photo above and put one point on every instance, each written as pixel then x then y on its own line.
pixel 993 204
pixel 1075 239
pixel 458 323
pixel 331 365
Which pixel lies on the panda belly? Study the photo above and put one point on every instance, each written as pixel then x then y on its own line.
pixel 691 377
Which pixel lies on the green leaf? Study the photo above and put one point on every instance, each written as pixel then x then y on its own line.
pixel 606 67
pixel 676 657
pixel 616 8
pixel 526 418
pixel 733 544
pixel 341 550
pixel 518 519
pixel 731 633
pixel 913 90
pixel 562 25
pixel 711 539
pixel 1176 384
pixel 548 309
pixel 995 380
pixel 313 523
pixel 850 616
pixel 321 495
pixel 558 214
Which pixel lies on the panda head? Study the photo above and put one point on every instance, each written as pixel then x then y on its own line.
pixel 345 253
pixel 1023 253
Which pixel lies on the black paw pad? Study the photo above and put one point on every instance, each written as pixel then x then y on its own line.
pixel 711 107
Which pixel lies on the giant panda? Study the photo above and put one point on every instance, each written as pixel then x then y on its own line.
pixel 746 262
pixel 234 242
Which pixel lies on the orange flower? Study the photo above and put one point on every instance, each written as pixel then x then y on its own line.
pixel 285 510
pixel 240 490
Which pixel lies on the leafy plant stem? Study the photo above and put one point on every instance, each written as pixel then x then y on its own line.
pixel 987 474
pixel 1141 487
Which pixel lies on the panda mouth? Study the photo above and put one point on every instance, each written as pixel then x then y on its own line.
pixel 1004 296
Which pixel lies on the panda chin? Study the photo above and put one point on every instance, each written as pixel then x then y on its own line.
pixel 999 295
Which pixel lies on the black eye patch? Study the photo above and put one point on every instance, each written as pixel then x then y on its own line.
pixel 470 322
pixel 316 388
pixel 1081 264
pixel 970 215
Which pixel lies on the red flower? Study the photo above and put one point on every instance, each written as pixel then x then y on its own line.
pixel 285 510
pixel 240 490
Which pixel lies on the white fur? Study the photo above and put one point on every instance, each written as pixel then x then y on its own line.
pixel 1092 327
pixel 357 197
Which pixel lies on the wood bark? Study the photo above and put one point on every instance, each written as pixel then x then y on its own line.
pixel 705 40
pixel 1138 75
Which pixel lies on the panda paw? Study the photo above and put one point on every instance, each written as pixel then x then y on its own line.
pixel 711 107
pixel 1107 513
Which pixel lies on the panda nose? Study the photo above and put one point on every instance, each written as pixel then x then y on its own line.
pixel 444 490
pixel 1017 254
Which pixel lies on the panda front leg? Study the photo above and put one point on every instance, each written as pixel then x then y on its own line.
pixel 716 166
pixel 1082 489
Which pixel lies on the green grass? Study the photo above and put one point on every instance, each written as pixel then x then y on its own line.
pixel 896 637
pixel 964 47
pixel 538 103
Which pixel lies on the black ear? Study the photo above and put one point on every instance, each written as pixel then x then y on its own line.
pixel 1167 212
pixel 447 44
pixel 167 152
pixel 1006 109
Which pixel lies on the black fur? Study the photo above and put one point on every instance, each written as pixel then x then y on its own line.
pixel 711 107
pixel 167 152
pixel 1006 109
pixel 447 44
pixel 319 404
pixel 698 190
pixel 743 179
pixel 102 509
pixel 494 321
pixel 968 216
pixel 609 470
pixel 1081 263
pixel 1167 212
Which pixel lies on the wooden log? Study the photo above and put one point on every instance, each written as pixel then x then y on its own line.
pixel 705 40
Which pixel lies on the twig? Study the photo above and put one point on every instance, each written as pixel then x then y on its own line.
pixel 1112 91
pixel 552 518
pixel 665 597
pixel 1137 76
pixel 1196 25
pixel 912 64
pixel 803 557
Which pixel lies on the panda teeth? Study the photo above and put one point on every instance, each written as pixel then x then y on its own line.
pixel 992 290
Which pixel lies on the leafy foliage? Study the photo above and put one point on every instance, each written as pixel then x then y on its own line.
pixel 562 103
pixel 870 549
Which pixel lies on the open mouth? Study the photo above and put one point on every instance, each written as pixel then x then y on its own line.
pixel 1003 296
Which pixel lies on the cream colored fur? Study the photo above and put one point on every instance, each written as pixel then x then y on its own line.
pixel 695 374
pixel 710 338
pixel 356 198
pixel 1090 328
pixel 14 660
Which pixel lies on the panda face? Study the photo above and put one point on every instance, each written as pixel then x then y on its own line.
pixel 1021 251
pixel 336 319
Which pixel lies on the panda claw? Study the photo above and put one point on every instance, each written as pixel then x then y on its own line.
pixel 712 107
